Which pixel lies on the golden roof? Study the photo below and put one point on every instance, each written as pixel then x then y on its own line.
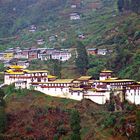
pixel 107 71
pixel 16 73
pixel 82 78
pixel 77 89
pixel 113 78
pixel 51 76
pixel 16 67
pixel 63 81
pixel 76 82
pixel 10 71
pixel 117 80
pixel 36 71
pixel 57 81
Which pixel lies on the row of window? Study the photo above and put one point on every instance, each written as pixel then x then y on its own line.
pixel 136 94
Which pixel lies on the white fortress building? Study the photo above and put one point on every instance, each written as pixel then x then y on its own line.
pixel 77 89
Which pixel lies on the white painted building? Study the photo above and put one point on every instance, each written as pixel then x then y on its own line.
pixel 98 96
pixel 40 41
pixel 61 55
pixel 133 93
pixel 102 51
pixel 32 28
pixel 18 73
pixel 84 87
pixel 74 16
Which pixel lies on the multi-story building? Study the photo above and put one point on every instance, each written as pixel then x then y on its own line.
pixel 84 87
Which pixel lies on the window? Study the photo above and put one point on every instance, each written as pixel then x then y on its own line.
pixel 78 93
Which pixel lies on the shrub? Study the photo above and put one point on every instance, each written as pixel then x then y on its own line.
pixel 110 121
pixel 56 137
pixel 46 123
pixel 61 130
pixel 75 136
pixel 29 129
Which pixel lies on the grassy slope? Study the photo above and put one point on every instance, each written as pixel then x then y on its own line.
pixel 33 104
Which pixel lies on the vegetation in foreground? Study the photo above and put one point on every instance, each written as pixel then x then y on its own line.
pixel 27 112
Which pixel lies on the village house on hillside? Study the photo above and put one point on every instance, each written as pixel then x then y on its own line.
pixel 32 28
pixel 74 16
pixel 73 6
pixel 102 51
pixel 61 55
pixel 33 54
pixel 96 51
pixel 40 41
pixel 92 51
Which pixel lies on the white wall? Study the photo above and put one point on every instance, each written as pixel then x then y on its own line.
pixel 97 97
pixel 133 96
pixel 58 92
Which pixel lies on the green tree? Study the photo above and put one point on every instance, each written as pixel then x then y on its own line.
pixel 75 125
pixel 120 5
pixel 54 66
pixel 2 112
pixel 2 119
pixel 82 58
pixel 10 89
pixel 57 68
pixel 111 104
pixel 1 67
pixel 2 102
pixel 137 135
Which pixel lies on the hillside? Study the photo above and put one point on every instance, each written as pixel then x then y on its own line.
pixel 100 22
pixel 28 112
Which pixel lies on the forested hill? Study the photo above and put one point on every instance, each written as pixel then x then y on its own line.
pixel 109 24
pixel 18 14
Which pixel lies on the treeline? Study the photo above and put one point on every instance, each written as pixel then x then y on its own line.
pixel 129 5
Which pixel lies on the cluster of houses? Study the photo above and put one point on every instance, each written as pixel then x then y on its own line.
pixel 35 53
pixel 98 91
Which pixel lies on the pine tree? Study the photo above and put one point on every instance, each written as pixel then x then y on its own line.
pixel 2 112
pixel 2 119
pixel 75 125
pixel 120 5
pixel 138 125
pixel 82 59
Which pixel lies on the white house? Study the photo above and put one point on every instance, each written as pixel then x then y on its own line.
pixel 102 51
pixel 61 55
pixel 74 16
pixel 32 28
pixel 40 41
